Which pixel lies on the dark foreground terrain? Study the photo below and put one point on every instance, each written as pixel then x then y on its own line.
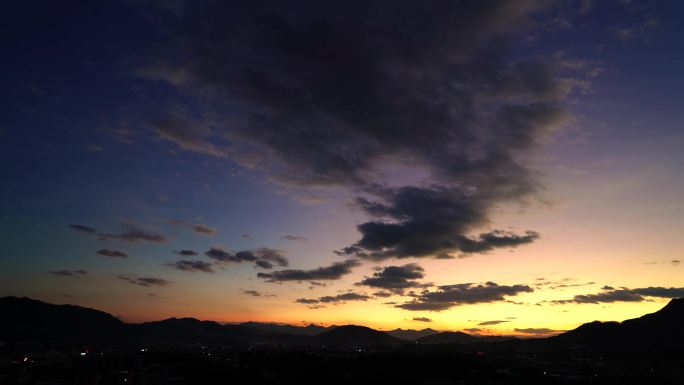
pixel 49 344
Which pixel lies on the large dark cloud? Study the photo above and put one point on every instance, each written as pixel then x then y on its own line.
pixel 610 294
pixel 433 221
pixel 192 266
pixel 396 278
pixel 262 257
pixel 334 271
pixel 448 296
pixel 335 94
pixel 112 253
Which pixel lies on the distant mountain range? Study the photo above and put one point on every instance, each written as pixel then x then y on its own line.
pixel 29 321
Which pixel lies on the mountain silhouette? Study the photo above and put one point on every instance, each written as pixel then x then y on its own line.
pixel 25 319
pixel 309 330
pixel 29 321
pixel 353 335
pixel 411 334
pixel 661 330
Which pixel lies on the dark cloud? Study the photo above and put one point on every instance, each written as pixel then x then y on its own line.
pixel 340 298
pixel 144 281
pixel 609 294
pixel 83 228
pixel 112 253
pixel 306 301
pixel 473 330
pixel 264 264
pixel 382 294
pixel 262 257
pixel 186 253
pixel 192 266
pixel 69 273
pixel 293 238
pixel 675 262
pixel 421 222
pixel 133 234
pixel 203 229
pixel 396 278
pixel 422 319
pixel 334 271
pixel 247 236
pixel 448 296
pixel 335 94
pixel 495 322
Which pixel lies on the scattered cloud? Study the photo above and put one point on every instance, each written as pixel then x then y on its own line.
pixel 422 319
pixel 609 295
pixel 112 253
pixel 334 271
pixel 448 296
pixel 133 234
pixel 340 298
pixel 675 262
pixel 247 236
pixel 144 281
pixel 262 257
pixel 192 266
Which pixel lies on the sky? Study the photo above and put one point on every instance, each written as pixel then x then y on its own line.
pixel 499 167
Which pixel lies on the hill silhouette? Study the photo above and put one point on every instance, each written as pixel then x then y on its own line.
pixel 353 335
pixel 25 320
pixel 411 334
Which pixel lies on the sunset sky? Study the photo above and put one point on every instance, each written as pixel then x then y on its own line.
pixel 499 167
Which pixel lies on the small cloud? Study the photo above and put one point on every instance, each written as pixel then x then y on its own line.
pixel 204 229
pixel 94 148
pixel 186 253
pixel 473 330
pixel 247 236
pixel 543 331
pixel 256 293
pixel 112 253
pixel 422 319
pixel 296 238
pixel 69 273
pixel 675 262
pixel 495 322
pixel 253 293
pixel 83 228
